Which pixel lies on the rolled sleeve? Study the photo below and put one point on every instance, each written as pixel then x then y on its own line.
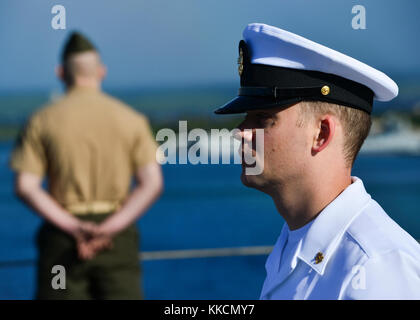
pixel 145 146
pixel 28 154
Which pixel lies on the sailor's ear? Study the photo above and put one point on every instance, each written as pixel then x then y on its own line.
pixel 59 72
pixel 324 133
pixel 103 70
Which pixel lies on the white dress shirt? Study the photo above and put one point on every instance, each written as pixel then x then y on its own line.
pixel 352 250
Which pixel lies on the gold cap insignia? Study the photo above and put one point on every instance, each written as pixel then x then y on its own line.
pixel 325 90
pixel 241 62
pixel 319 257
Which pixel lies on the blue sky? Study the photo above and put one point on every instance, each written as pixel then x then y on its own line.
pixel 194 42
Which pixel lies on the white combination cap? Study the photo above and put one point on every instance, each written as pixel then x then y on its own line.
pixel 280 68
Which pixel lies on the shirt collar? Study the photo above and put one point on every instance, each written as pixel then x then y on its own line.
pixel 329 226
pixel 82 89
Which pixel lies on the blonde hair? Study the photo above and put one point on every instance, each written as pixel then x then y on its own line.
pixel 356 124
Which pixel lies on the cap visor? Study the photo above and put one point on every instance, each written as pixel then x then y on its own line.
pixel 242 104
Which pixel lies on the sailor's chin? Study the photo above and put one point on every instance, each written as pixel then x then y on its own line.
pixel 248 180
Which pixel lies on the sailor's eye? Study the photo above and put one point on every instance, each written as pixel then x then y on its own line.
pixel 264 119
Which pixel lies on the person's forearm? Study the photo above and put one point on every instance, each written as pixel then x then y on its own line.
pixel 134 207
pixel 49 209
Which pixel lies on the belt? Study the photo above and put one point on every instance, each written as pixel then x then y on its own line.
pixel 93 207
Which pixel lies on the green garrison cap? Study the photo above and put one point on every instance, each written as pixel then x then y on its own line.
pixel 76 43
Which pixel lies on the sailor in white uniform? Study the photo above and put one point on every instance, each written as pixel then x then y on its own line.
pixel 314 106
pixel 361 253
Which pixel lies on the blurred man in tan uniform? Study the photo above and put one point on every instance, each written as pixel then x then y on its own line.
pixel 89 145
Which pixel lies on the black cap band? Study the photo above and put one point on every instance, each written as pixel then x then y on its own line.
pixel 278 93
pixel 264 86
pixel 285 83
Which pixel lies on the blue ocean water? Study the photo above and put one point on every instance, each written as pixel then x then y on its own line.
pixel 203 206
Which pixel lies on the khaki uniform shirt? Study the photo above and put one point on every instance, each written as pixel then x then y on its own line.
pixel 88 144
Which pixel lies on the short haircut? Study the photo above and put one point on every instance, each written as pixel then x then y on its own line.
pixel 356 124
pixel 80 63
